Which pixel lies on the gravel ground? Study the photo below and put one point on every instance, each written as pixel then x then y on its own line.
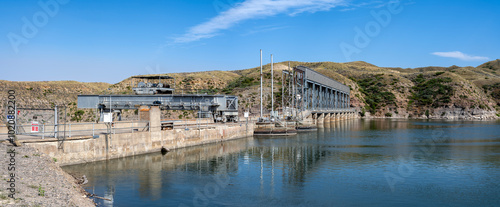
pixel 39 181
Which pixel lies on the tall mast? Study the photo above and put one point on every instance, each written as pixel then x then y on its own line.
pixel 272 87
pixel 260 83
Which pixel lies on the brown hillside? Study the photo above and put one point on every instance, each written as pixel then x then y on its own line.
pixel 434 92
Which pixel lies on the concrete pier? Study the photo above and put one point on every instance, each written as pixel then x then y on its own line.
pixel 320 120
pixel 326 118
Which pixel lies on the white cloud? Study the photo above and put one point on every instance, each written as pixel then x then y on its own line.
pixel 460 55
pixel 254 9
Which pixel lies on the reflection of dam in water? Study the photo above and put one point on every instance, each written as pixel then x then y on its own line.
pixel 292 162
pixel 149 169
pixel 333 163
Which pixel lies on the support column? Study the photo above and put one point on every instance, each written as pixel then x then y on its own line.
pixel 314 97
pixel 336 100
pixel 348 100
pixel 341 102
pixel 321 119
pixel 327 118
pixel 154 118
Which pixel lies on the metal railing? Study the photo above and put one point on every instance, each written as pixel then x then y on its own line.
pixel 78 129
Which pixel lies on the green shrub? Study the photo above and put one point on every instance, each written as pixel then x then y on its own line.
pixel 388 114
pixel 376 93
pixel 427 113
pixel 439 73
pixel 78 115
pixel 433 92
pixel 241 82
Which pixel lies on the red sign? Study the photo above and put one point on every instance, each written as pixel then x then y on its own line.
pixel 34 126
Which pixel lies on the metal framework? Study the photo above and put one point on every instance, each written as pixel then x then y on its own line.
pixel 307 90
pixel 220 107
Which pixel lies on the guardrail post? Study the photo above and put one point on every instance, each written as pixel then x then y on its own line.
pixel 93 132
pixel 43 131
pixel 69 129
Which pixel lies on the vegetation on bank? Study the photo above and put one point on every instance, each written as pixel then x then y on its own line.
pixel 431 92
pixel 241 82
pixel 376 93
pixel 495 91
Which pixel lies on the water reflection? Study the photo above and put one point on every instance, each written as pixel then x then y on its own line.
pixel 346 163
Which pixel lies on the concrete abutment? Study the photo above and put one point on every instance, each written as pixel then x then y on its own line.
pixel 110 146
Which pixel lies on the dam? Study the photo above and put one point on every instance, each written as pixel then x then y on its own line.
pixel 315 99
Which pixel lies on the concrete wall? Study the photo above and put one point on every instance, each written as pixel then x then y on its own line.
pixel 129 144
pixel 87 127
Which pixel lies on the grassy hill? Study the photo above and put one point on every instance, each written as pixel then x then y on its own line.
pixel 435 92
pixel 47 94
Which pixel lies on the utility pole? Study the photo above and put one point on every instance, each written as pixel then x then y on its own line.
pixel 283 93
pixel 272 88
pixel 290 104
pixel 260 83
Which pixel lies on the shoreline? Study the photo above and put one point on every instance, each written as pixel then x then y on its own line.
pixel 436 119
pixel 38 180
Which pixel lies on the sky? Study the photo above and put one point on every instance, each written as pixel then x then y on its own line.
pixel 108 41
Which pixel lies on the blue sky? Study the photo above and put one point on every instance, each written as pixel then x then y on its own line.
pixel 108 41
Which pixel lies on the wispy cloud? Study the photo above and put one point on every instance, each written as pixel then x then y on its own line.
pixel 254 9
pixel 266 28
pixel 460 55
pixel 374 4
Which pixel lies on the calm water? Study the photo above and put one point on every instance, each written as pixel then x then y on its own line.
pixel 353 163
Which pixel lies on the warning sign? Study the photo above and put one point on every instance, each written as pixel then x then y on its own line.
pixel 34 126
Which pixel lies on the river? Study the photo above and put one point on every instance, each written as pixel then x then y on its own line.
pixel 348 163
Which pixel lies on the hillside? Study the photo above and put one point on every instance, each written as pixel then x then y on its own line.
pixel 430 92
pixel 47 94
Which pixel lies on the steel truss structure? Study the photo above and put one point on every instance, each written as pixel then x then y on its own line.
pixel 304 89
pixel 220 107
